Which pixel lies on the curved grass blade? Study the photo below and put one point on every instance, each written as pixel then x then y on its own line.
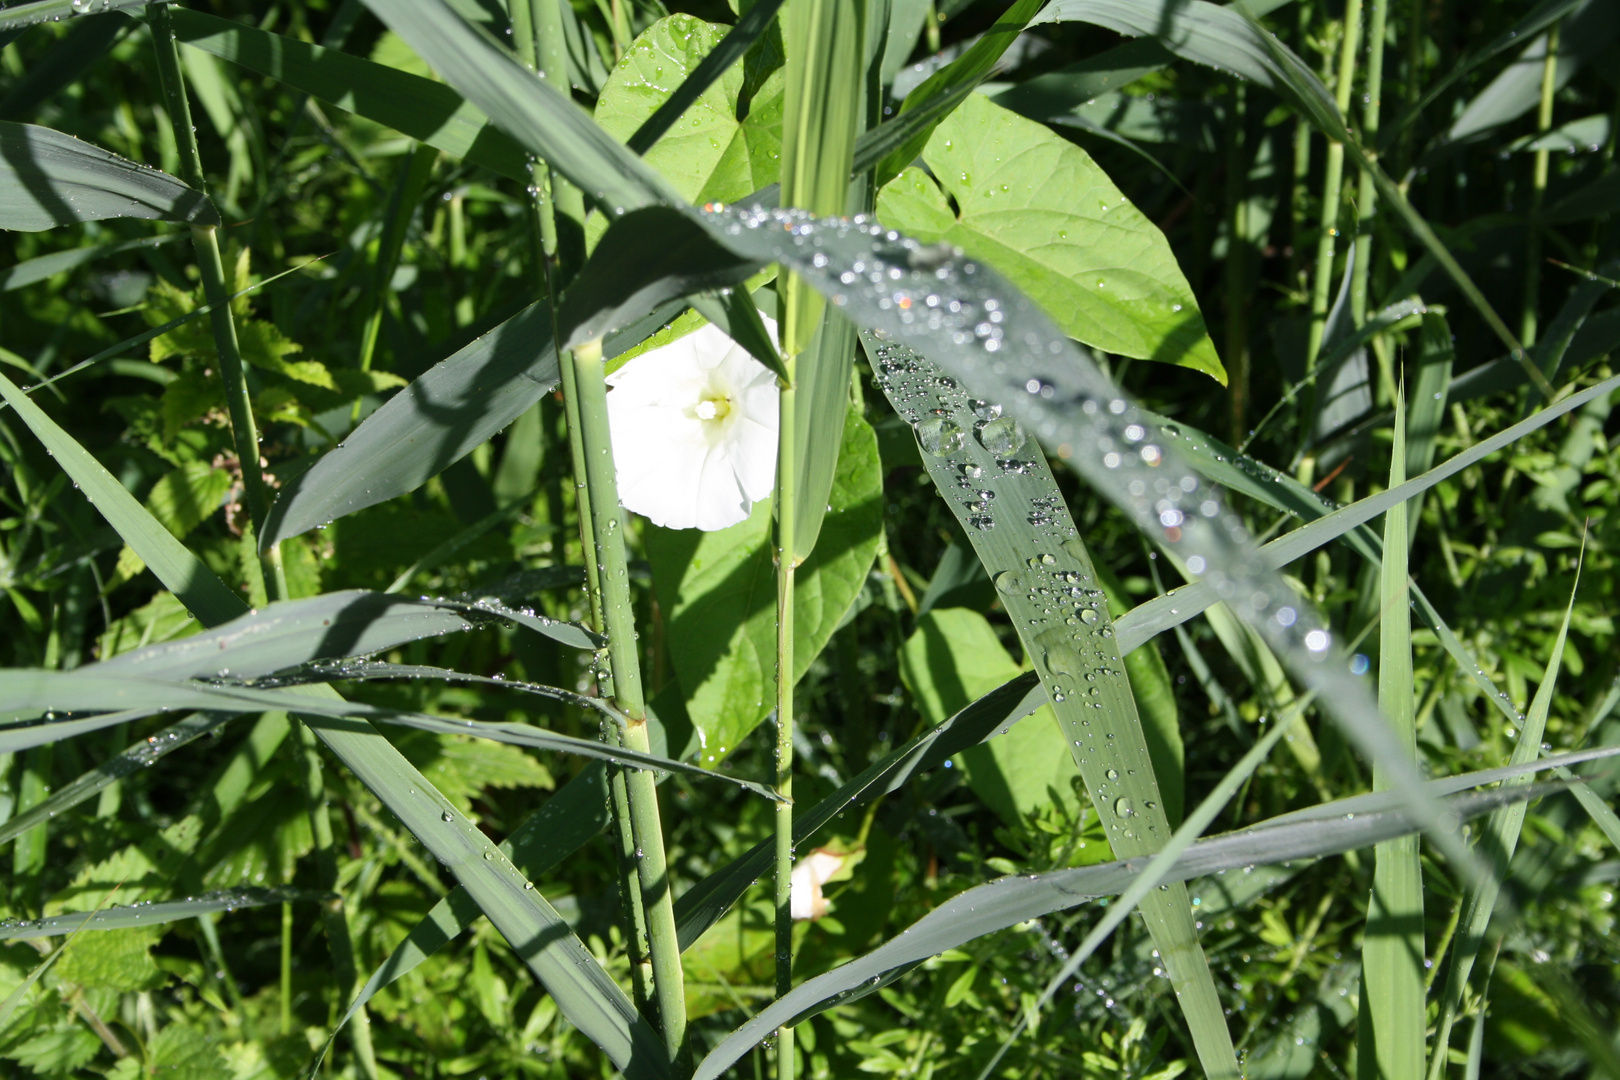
pixel 584 993
pixel 427 111
pixel 438 419
pixel 701 906
pixel 30 271
pixel 153 913
pixel 331 626
pixel 20 16
pixel 546 837
pixel 1009 901
pixel 156 331
pixel 1498 841
pixel 999 487
pixel 94 688
pixel 376 669
pixel 49 179
pixel 138 756
pixel 1180 605
pixel 203 594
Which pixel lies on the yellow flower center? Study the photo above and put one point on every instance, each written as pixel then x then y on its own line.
pixel 713 408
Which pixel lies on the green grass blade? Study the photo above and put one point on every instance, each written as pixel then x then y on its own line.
pixel 152 914
pixel 1498 840
pixel 141 755
pixel 334 625
pixel 701 906
pixel 426 110
pixel 1019 526
pixel 438 419
pixel 566 821
pixel 181 572
pixel 1182 604
pixel 92 688
pixel 1011 900
pixel 1389 1032
pixel 49 179
pixel 44 267
pixel 19 16
pixel 583 991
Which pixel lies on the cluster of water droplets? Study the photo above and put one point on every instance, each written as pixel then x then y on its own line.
pixel 984 332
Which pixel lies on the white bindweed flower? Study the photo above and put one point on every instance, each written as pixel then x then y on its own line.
pixel 694 431
pixel 809 875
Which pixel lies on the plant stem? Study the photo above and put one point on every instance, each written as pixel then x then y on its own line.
pixel 1366 193
pixel 1332 186
pixel 1237 252
pixel 1538 192
pixel 205 241
pixel 786 496
pixel 618 620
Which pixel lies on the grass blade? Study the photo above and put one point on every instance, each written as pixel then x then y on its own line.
pixel 1009 901
pixel 152 914
pixel 1498 840
pixel 1389 1033
pixel 1020 529
pixel 141 755
pixel 44 267
pixel 49 179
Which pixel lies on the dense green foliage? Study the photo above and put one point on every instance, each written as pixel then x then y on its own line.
pixel 1164 212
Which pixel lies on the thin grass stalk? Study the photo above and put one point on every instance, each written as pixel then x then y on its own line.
pixel 618 621
pixel 246 438
pixel 1332 189
pixel 1415 40
pixel 1538 192
pixel 1389 1035
pixel 205 241
pixel 1302 168
pixel 1237 260
pixel 786 496
pixel 1366 191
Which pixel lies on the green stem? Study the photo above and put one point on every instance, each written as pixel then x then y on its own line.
pixel 286 967
pixel 786 496
pixel 205 240
pixel 1538 193
pixel 1332 187
pixel 1237 251
pixel 333 918
pixel 618 621
pixel 1366 192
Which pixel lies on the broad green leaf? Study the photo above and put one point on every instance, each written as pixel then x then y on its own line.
pixel 1008 901
pixel 942 90
pixel 1390 1027
pixel 708 154
pixel 1037 208
pixel 953 658
pixel 1000 490
pixel 718 593
pixel 49 179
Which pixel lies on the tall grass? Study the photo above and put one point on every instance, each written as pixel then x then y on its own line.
pixel 932 667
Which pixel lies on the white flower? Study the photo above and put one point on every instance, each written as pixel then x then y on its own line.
pixel 809 875
pixel 694 431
